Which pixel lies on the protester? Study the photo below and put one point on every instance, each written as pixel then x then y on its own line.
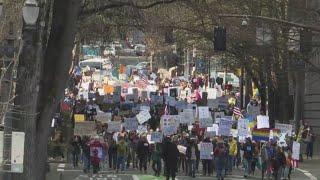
pixel 75 144
pixel 122 153
pixel 220 154
pixel 142 152
pixel 233 150
pixel 156 160
pixel 171 156
pixel 247 157
pixel 191 154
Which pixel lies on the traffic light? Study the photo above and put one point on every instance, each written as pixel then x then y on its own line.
pixel 220 39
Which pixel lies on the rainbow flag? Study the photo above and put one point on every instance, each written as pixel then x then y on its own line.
pixel 264 134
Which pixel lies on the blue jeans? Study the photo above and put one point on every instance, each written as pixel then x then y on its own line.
pixel 220 166
pixel 247 166
pixel 231 161
pixel 86 163
pixel 121 162
pixel 309 149
pixel 192 167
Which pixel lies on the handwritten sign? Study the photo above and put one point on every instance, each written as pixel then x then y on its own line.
pixel 104 117
pixel 169 125
pixel 131 124
pixel 205 122
pixel 144 108
pixel 87 128
pixel 284 128
pixel 206 150
pixel 143 116
pixel 224 127
pixel 114 126
pixel 296 150
pixel 243 127
pixel 79 117
pixel 182 149
pixel 262 122
pixel 142 129
pixel 204 112
pixel 156 137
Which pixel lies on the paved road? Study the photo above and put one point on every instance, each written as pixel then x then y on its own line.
pixel 66 172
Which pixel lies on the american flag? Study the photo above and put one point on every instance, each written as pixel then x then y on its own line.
pixel 144 79
pixel 237 112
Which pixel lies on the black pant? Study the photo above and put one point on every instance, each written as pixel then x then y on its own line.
pixel 170 172
pixel 112 160
pixel 156 166
pixel 207 166
pixel 143 163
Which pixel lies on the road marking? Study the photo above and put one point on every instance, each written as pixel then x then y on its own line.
pixel 135 177
pixel 61 165
pixel 307 173
pixel 60 170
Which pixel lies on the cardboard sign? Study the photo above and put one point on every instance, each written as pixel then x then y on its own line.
pixel 131 124
pixel 224 127
pixel 182 149
pixel 284 128
pixel 206 150
pixel 79 117
pixel 204 112
pixel 114 126
pixel 87 128
pixel 156 137
pixel 296 150
pixel 143 116
pixel 262 122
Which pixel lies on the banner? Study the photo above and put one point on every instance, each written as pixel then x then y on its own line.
pixel 263 134
pixel 243 127
pixel 224 127
pixel 143 116
pixel 262 122
pixel 156 137
pixel 206 150
pixel 296 150
pixel 204 112
pixel 182 149
pixel 114 126
pixel 87 128
pixel 284 128
pixel 131 124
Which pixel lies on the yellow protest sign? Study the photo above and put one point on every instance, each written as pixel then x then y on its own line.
pixel 79 118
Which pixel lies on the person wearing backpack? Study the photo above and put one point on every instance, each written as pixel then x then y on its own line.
pixel 220 154
pixel 247 157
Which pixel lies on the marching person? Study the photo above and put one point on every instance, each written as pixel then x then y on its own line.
pixel 143 152
pixel 220 153
pixel 171 156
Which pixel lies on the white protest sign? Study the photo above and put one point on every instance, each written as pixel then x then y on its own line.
pixel 243 126
pixel 205 122
pixel 204 112
pixel 187 116
pixel 169 125
pixel 182 149
pixel 144 108
pixel 282 140
pixel 213 103
pixel 170 100
pixel 131 124
pixel 284 128
pixel 114 126
pixel 156 137
pixel 85 128
pixel 218 115
pixel 143 116
pixel 296 150
pixel 224 127
pixel 142 129
pixel 262 122
pixel 212 93
pixel 212 131
pixel 234 132
pixel 103 117
pixel 206 150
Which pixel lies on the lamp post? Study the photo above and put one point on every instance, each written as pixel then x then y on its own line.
pixel 244 23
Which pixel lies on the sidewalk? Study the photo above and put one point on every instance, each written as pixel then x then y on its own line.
pixel 310 168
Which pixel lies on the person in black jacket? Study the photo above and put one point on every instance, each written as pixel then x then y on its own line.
pixel 170 156
pixel 191 154
pixel 143 152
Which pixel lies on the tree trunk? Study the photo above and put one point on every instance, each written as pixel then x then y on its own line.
pixel 54 76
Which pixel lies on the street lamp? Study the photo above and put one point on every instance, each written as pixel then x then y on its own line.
pixel 30 12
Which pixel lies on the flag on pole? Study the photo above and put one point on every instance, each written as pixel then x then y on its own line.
pixel 237 112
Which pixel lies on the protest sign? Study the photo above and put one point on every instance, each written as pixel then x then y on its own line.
pixel 114 126
pixel 135 93
pixel 212 103
pixel 187 116
pixel 204 112
pixel 218 115
pixel 205 122
pixel 173 92
pixel 206 150
pixel 103 117
pixel 79 117
pixel 182 149
pixel 212 93
pixel 131 124
pixel 223 102
pixel 212 131
pixel 243 127
pixel 144 95
pixel 234 133
pixel 87 128
pixel 224 127
pixel 144 108
pixel 180 105
pixel 129 97
pixel 142 129
pixel 171 101
pixel 143 116
pixel 156 137
pixel 284 128
pixel 296 150
pixel 169 125
pixel 262 122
